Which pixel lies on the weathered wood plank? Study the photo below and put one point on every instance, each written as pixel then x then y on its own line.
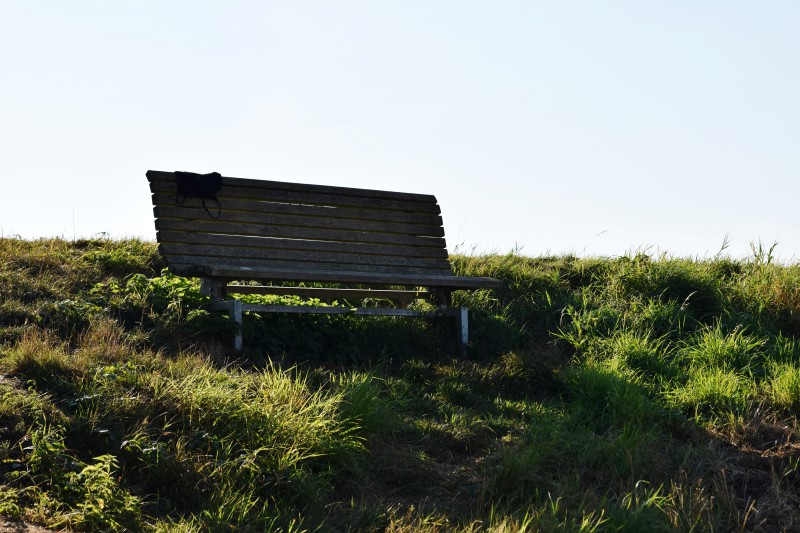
pixel 450 281
pixel 266 264
pixel 226 215
pixel 261 206
pixel 224 228
pixel 271 243
pixel 320 292
pixel 336 310
pixel 300 197
pixel 242 252
pixel 169 177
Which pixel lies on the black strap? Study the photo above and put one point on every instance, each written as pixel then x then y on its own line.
pixel 219 207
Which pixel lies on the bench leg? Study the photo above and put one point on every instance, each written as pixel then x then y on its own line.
pixel 462 327
pixel 236 316
pixel 213 287
pixel 234 310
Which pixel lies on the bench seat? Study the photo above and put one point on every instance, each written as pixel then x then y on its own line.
pixel 339 276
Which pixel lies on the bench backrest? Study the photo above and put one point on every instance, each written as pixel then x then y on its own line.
pixel 277 225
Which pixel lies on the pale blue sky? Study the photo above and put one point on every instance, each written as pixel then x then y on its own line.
pixel 587 127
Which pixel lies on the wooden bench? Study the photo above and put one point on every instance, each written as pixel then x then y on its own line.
pixel 274 232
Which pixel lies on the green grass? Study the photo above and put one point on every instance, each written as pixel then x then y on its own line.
pixel 630 394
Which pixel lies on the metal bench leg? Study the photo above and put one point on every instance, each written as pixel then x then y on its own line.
pixel 234 310
pixel 236 316
pixel 462 327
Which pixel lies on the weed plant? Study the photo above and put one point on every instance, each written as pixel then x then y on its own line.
pixel 628 394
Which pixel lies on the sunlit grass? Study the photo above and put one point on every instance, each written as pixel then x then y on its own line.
pixel 633 394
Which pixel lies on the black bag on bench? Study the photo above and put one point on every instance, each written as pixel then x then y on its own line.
pixel 203 186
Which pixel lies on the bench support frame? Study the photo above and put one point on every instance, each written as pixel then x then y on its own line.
pixel 217 290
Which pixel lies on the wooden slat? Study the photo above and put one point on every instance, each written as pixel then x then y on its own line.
pixel 362 311
pixel 300 197
pixel 269 243
pixel 260 206
pixel 395 278
pixel 225 215
pixel 212 226
pixel 336 310
pixel 332 310
pixel 317 292
pixel 242 252
pixel 267 264
pixel 156 175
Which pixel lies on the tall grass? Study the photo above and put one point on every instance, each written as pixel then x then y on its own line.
pixel 633 394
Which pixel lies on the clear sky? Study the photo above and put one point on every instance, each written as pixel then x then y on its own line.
pixel 588 127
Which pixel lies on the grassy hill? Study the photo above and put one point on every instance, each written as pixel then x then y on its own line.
pixel 629 394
